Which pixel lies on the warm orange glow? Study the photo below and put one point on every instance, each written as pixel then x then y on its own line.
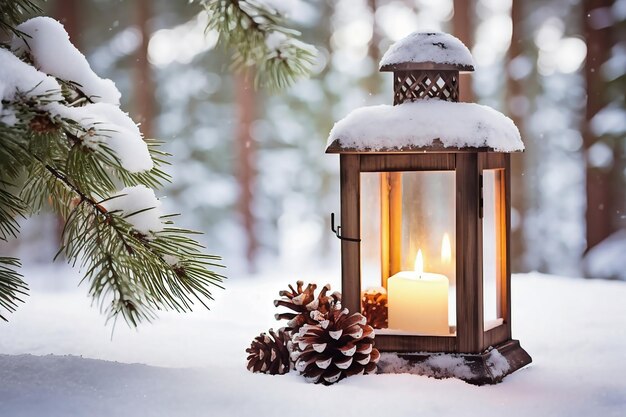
pixel 446 250
pixel 419 263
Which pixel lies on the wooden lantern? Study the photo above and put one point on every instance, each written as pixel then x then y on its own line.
pixel 477 182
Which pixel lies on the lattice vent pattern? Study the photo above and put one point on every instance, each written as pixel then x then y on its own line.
pixel 415 85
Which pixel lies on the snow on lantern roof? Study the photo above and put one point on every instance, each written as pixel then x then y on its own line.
pixel 424 125
pixel 427 50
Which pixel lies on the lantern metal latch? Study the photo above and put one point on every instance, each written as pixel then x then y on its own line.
pixel 337 230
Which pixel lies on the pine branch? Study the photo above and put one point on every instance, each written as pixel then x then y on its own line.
pixel 129 273
pixel 259 37
pixel 12 13
pixel 12 154
pixel 60 149
pixel 11 207
pixel 60 143
pixel 11 285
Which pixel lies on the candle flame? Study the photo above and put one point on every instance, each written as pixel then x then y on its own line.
pixel 419 263
pixel 446 250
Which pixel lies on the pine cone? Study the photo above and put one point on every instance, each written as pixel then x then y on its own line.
pixel 337 347
pixel 269 354
pixel 374 307
pixel 303 302
pixel 42 124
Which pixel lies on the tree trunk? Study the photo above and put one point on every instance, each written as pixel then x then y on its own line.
pixel 144 85
pixel 463 25
pixel 245 101
pixel 68 13
pixel 515 88
pixel 598 187
pixel 372 83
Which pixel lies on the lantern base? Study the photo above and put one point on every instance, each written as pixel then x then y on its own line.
pixel 489 367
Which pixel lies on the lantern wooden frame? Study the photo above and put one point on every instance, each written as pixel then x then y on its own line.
pixel 471 340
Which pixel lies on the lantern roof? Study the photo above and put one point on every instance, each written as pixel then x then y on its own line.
pixel 424 125
pixel 427 51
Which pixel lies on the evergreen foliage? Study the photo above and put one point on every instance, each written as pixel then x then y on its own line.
pixel 47 161
pixel 260 39
pixel 12 13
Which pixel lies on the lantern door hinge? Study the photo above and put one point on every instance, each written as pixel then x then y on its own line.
pixel 337 230
pixel 481 201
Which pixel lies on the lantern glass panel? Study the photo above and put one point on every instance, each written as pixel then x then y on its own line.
pixel 494 249
pixel 408 247
pixel 370 230
pixel 429 225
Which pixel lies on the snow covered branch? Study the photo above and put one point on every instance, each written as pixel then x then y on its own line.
pixel 66 143
pixel 257 33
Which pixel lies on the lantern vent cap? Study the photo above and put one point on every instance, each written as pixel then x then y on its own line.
pixel 424 126
pixel 427 51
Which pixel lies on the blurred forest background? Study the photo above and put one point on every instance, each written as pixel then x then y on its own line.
pixel 249 168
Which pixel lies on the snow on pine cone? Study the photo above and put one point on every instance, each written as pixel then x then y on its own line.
pixel 339 346
pixel 302 301
pixel 269 354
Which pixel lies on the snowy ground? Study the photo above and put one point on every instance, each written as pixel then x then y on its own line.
pixel 194 365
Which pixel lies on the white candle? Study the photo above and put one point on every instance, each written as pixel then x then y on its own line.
pixel 418 301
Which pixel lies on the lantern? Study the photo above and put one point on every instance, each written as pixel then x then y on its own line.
pixel 425 214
